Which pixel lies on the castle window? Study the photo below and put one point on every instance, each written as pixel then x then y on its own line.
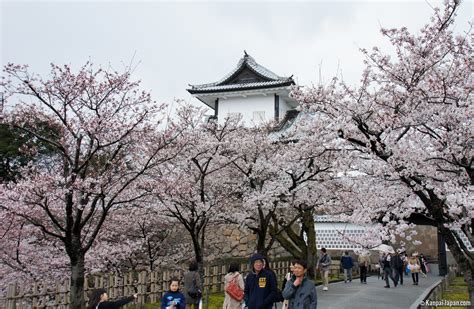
pixel 234 115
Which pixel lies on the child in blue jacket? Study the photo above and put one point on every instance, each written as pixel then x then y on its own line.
pixel 173 299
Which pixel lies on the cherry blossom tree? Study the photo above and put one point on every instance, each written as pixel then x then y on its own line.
pixel 257 170
pixel 413 113
pixel 152 241
pixel 195 188
pixel 104 140
pixel 284 177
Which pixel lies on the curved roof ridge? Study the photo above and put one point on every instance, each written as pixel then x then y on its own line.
pixel 250 62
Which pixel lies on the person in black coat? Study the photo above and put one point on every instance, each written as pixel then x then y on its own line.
pixel 387 270
pixel 397 268
pixel 100 300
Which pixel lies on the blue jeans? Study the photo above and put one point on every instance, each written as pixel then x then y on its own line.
pixel 347 274
pixel 387 272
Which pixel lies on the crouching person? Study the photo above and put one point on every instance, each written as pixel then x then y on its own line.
pixel 300 290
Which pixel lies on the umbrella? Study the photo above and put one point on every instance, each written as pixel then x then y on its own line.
pixel 384 248
pixel 362 252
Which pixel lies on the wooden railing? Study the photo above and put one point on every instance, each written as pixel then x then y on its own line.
pixel 436 292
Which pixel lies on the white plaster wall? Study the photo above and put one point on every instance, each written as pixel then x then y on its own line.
pixel 246 106
pixel 328 235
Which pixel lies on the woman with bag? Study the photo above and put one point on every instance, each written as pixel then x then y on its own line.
pixel 414 266
pixel 192 286
pixel 233 287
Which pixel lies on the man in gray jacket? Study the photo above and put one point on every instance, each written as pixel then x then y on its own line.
pixel 299 290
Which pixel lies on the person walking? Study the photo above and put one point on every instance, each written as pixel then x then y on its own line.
pixel 404 258
pixel 423 263
pixel 324 263
pixel 347 263
pixel 387 270
pixel 192 286
pixel 364 262
pixel 397 268
pixel 260 285
pixel 300 290
pixel 381 259
pixel 233 276
pixel 414 266
pixel 99 299
pixel 173 299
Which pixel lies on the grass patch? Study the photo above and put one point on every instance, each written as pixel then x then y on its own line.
pixel 456 291
pixel 216 300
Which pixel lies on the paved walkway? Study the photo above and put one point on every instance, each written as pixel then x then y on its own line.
pixel 373 294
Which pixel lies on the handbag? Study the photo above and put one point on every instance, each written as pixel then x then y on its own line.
pixel 234 290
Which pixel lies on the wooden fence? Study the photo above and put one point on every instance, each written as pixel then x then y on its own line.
pixel 149 286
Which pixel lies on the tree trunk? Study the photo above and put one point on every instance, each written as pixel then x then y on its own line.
pixel 297 246
pixel 465 264
pixel 311 249
pixel 198 252
pixel 76 297
pixel 442 259
pixel 262 231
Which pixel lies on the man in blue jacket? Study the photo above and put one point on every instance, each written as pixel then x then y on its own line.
pixel 347 263
pixel 260 285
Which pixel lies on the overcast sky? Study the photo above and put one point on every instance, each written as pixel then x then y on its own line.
pixel 177 43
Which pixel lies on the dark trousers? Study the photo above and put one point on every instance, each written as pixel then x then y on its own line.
pixel 414 276
pixel 387 273
pixel 363 274
pixel 397 275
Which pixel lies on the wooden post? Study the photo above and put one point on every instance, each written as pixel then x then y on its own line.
pixel 67 289
pixel 20 297
pixel 207 274
pixel 142 283
pixel 11 294
pixel 154 287
pixel 164 283
pixel 221 283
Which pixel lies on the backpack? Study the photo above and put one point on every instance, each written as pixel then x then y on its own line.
pixel 193 290
pixel 234 290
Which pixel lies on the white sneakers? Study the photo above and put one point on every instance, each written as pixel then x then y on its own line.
pixel 325 288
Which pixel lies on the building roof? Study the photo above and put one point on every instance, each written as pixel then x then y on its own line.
pixel 247 75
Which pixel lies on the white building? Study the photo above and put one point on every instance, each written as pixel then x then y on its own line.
pixel 251 91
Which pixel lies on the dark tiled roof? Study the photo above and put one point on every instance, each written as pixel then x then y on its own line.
pixel 242 86
pixel 264 79
pixel 287 121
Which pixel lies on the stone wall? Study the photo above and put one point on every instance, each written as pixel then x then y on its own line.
pixel 230 241
pixel 428 236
